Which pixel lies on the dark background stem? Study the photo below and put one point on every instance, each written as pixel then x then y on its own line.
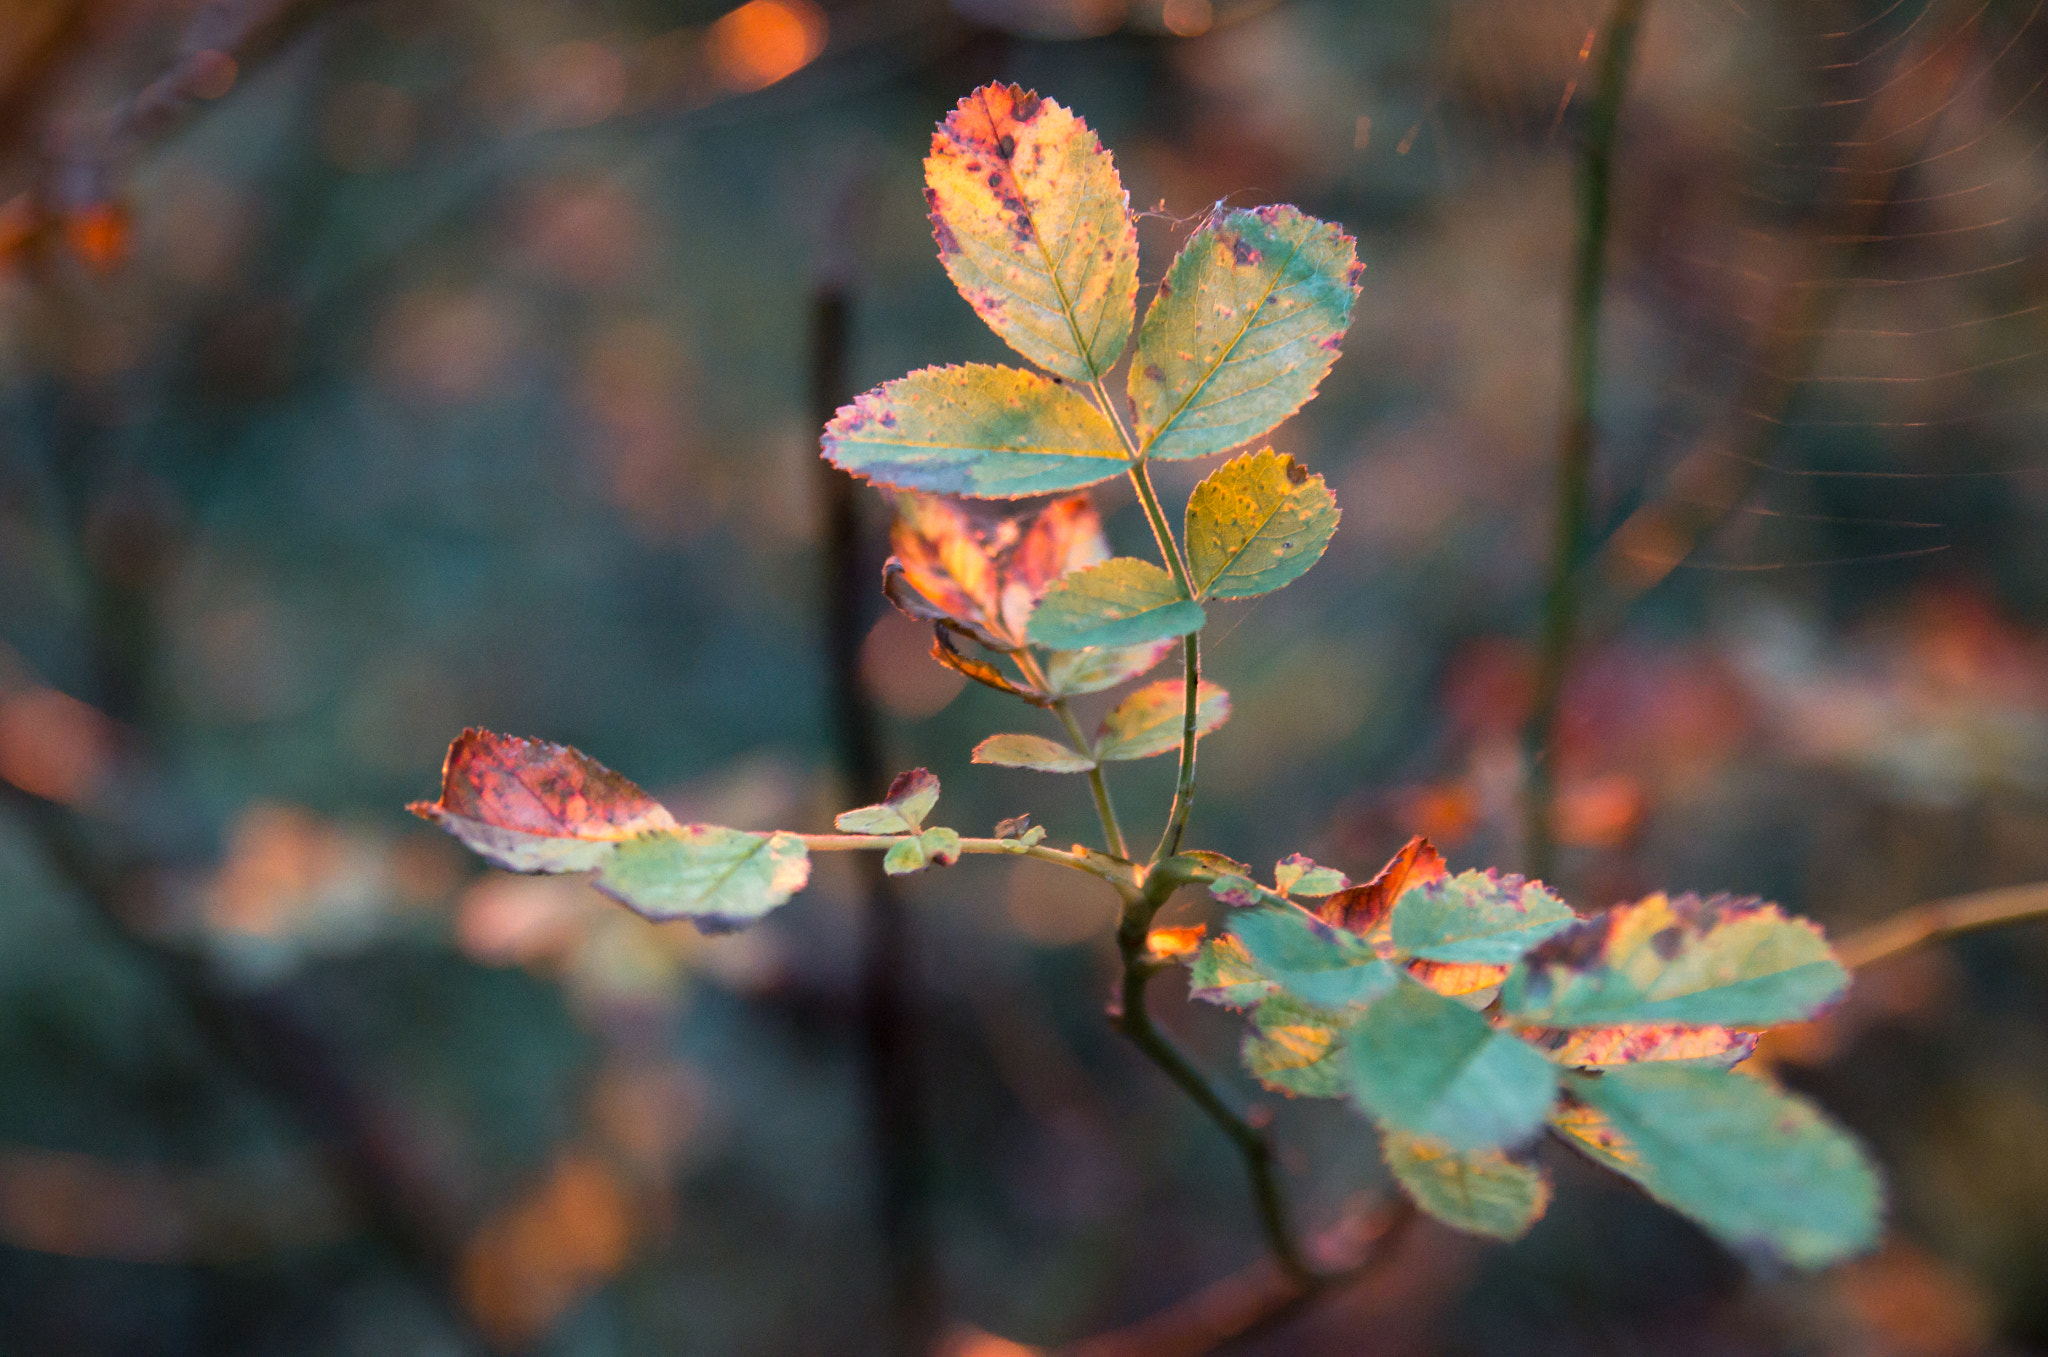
pixel 888 959
pixel 1576 437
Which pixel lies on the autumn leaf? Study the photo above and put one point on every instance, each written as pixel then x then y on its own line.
pixel 1760 1168
pixel 1148 722
pixel 901 810
pixel 1477 917
pixel 990 432
pixel 1602 1047
pixel 1481 1192
pixel 1031 751
pixel 1294 1048
pixel 531 806
pixel 1430 1066
pixel 1071 673
pixel 1256 523
pixel 1222 973
pixel 1035 229
pixel 717 878
pixel 1727 961
pixel 1244 326
pixel 1121 602
pixel 1365 910
pixel 981 574
pixel 981 671
pixel 1297 875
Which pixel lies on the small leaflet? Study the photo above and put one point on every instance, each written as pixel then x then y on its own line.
pixel 717 878
pixel 1762 1169
pixel 1256 524
pixel 1148 722
pixel 1222 973
pixel 1481 1192
pixel 1427 1065
pixel 1723 961
pixel 1035 229
pixel 1121 602
pixel 904 857
pixel 1031 751
pixel 1477 917
pixel 531 806
pixel 910 798
pixel 1296 875
pixel 973 429
pixel 1242 331
pixel 1318 965
pixel 1071 673
pixel 1293 1048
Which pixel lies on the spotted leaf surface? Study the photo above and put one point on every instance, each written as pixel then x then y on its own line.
pixel 1762 1169
pixel 1149 721
pixel 1245 325
pixel 1477 917
pixel 1121 602
pixel 717 878
pixel 1427 1065
pixel 1035 229
pixel 992 432
pixel 1726 961
pixel 1256 523
pixel 1602 1047
pixel 1481 1192
pixel 531 806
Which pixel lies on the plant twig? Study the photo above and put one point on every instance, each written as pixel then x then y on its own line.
pixel 1940 920
pixel 1576 436
pixel 1098 785
pixel 894 1088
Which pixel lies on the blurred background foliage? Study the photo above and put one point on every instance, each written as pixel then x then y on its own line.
pixel 372 369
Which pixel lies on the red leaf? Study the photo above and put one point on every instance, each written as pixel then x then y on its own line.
pixel 986 574
pixel 981 671
pixel 521 802
pixel 1364 909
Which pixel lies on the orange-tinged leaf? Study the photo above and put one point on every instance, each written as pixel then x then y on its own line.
pixel 1035 229
pixel 1457 979
pixel 1365 909
pixel 981 671
pixel 531 806
pixel 985 574
pixel 1175 942
pixel 1598 1047
pixel 1149 721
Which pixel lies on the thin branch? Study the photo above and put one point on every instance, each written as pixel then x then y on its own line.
pixel 1576 437
pixel 1940 920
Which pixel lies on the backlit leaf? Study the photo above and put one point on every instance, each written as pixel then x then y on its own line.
pixel 1256 523
pixel 1243 892
pixel 1035 229
pixel 1121 602
pixel 1294 1049
pixel 1246 323
pixel 1728 961
pixel 984 574
pixel 531 806
pixel 1365 910
pixel 1222 973
pixel 1424 1064
pixel 941 845
pixel 1031 751
pixel 1760 1168
pixel 981 671
pixel 1073 672
pixel 1477 917
pixel 1478 1191
pixel 1297 875
pixel 716 878
pixel 904 858
pixel 909 799
pixel 992 432
pixel 1148 722
pixel 1599 1047
pixel 1175 942
pixel 1318 965
pixel 1472 983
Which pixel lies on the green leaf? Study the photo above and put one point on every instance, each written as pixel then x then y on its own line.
pixel 1294 1049
pixel 1035 229
pixel 1728 961
pixel 1122 602
pixel 1477 916
pixel 1297 875
pixel 975 430
pixel 941 845
pixel 901 810
pixel 1256 523
pixel 1319 965
pixel 1478 1191
pixel 904 858
pixel 531 806
pixel 1222 973
pixel 717 878
pixel 1148 722
pixel 1428 1065
pixel 1074 672
pixel 1031 751
pixel 1244 327
pixel 1758 1167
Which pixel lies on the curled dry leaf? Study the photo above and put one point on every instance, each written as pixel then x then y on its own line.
pixel 983 574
